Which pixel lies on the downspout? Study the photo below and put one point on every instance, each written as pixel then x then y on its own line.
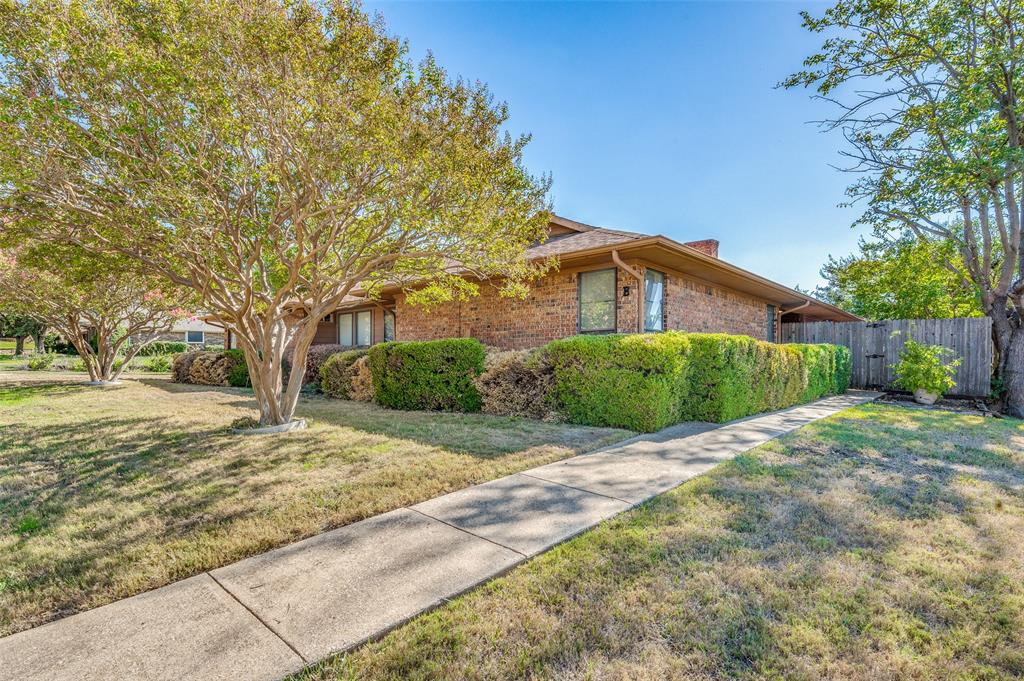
pixel 640 289
pixel 792 309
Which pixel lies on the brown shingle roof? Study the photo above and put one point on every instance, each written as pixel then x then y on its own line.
pixel 581 241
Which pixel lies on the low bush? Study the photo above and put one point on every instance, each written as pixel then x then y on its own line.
pixel 434 375
pixel 517 383
pixel 337 372
pixel 203 367
pixel 41 362
pixel 628 381
pixel 162 348
pixel 315 358
pixel 926 367
pixel 181 366
pixel 238 370
pixel 828 369
pixel 158 363
pixel 53 342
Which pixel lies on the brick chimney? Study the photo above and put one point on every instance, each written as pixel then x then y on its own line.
pixel 707 246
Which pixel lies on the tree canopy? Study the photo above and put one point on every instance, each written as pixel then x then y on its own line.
pixel 103 305
pixel 903 279
pixel 276 156
pixel 926 93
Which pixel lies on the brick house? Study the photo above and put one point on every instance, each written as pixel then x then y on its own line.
pixel 607 281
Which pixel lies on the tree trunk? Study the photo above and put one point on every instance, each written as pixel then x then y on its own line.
pixel 40 342
pixel 1012 361
pixel 275 400
pixel 19 346
pixel 1008 338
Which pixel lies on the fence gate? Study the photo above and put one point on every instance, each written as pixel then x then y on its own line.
pixel 875 347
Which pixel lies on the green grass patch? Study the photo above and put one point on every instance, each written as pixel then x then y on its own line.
pixel 111 492
pixel 882 542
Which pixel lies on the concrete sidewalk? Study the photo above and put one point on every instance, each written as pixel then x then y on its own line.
pixel 272 614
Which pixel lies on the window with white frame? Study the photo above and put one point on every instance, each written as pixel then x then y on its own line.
pixel 597 301
pixel 654 301
pixel 355 328
pixel 195 336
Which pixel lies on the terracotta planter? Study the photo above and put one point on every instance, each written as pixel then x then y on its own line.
pixel 922 396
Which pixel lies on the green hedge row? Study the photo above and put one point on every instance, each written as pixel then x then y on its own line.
pixel 630 381
pixel 427 375
pixel 647 382
pixel 642 382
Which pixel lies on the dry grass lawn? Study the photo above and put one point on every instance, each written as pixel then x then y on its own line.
pixel 883 543
pixel 108 492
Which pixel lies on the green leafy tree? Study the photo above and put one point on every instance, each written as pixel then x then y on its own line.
pixel 98 303
pixel 904 279
pixel 19 327
pixel 274 156
pixel 927 94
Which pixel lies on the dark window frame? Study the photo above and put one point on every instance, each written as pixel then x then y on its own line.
pixel 394 325
pixel 664 290
pixel 615 301
pixel 770 314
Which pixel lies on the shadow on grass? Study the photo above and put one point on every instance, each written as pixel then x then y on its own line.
pixel 792 561
pixel 478 435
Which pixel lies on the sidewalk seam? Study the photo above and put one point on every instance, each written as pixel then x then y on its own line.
pixel 259 619
pixel 578 489
pixel 471 534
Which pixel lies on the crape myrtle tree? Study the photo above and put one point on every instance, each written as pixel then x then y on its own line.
pixel 101 304
pixel 927 94
pixel 273 156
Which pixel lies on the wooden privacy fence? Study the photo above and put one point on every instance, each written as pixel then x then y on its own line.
pixel 876 346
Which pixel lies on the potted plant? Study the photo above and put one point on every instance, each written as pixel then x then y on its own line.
pixel 924 371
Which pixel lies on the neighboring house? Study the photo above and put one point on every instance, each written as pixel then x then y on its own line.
pixel 596 289
pixel 196 332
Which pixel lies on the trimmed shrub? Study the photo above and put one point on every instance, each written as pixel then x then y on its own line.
pixel 517 383
pixel 163 348
pixel 629 381
pixel 315 358
pixel 736 376
pixel 434 375
pixel 182 366
pixel 336 373
pixel 362 381
pixel 646 382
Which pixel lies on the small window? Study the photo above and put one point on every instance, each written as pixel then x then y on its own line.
pixel 327 319
pixel 771 324
pixel 195 336
pixel 654 301
pixel 389 326
pixel 597 301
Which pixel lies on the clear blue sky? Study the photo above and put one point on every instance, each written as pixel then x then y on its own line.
pixel 660 118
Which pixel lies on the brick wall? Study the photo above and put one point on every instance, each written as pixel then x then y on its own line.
pixel 696 306
pixel 550 312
